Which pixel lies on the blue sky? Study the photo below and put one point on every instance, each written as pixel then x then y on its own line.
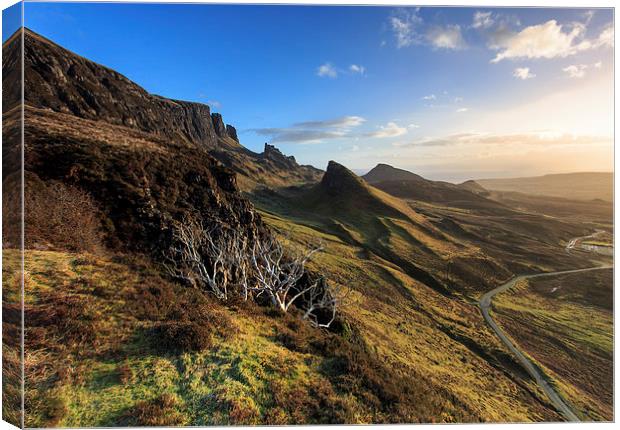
pixel 450 93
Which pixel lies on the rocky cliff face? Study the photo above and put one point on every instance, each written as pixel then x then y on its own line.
pixel 61 81
pixel 232 132
pixel 57 79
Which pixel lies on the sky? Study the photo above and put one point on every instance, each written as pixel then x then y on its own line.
pixel 449 93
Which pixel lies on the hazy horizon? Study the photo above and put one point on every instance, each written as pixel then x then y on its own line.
pixel 456 177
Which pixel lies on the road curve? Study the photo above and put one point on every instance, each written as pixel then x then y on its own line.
pixel 485 306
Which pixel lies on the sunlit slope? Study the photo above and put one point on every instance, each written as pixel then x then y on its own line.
pixel 412 325
pixel 453 250
pixel 112 343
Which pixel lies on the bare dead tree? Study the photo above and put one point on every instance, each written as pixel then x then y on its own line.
pixel 197 258
pixel 238 262
pixel 277 275
pixel 222 261
pixel 320 299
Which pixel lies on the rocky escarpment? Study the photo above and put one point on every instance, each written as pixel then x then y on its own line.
pixel 62 81
pixel 273 154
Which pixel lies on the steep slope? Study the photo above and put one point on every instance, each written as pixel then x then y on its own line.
pixel 61 81
pixel 582 186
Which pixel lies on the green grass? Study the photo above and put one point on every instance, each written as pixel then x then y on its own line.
pixel 565 324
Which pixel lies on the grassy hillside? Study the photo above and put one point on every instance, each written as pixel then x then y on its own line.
pixel 565 323
pixel 583 186
pixel 111 342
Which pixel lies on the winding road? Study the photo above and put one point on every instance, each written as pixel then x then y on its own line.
pixel 485 307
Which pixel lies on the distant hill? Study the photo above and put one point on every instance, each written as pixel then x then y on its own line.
pixel 385 172
pixel 474 187
pixel 408 185
pixel 582 186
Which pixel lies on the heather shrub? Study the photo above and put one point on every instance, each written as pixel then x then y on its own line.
pixel 158 412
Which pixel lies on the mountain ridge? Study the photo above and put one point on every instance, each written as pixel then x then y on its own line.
pixel 120 101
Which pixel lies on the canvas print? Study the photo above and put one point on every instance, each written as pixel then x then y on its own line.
pixel 292 214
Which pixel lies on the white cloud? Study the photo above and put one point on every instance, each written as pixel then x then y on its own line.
pixel 391 129
pixel 548 40
pixel 598 64
pixel 413 126
pixel 461 110
pixel 576 70
pixel 446 37
pixel 606 38
pixel 356 68
pixel 313 131
pixel 483 20
pixel 327 70
pixel 430 97
pixel 523 73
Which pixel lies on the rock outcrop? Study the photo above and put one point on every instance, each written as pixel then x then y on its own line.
pixel 274 154
pixel 232 132
pixel 338 180
pixel 218 124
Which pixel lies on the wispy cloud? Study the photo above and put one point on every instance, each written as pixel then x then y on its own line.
pixel 410 29
pixel 357 69
pixel 461 110
pixel 212 103
pixel 312 131
pixel 523 73
pixel 545 137
pixel 446 37
pixel 576 70
pixel 405 24
pixel 391 129
pixel 329 70
pixel 326 70
pixel 429 97
pixel 483 20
